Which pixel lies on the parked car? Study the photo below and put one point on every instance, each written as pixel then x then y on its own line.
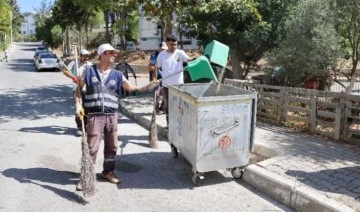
pixel 47 61
pixel 40 48
pixel 37 54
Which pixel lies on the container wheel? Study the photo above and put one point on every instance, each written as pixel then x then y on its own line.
pixel 174 151
pixel 237 172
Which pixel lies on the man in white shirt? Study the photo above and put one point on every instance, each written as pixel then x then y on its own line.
pixel 171 62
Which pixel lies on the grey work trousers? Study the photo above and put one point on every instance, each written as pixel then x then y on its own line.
pixel 98 126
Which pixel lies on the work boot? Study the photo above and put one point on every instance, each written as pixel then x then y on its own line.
pixel 79 132
pixel 78 186
pixel 111 178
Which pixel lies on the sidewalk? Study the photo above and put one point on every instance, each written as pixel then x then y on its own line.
pixel 305 172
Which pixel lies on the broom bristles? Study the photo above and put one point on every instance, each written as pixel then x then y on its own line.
pixel 153 133
pixel 87 174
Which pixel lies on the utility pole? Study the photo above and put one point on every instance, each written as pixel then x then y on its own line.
pixel 11 31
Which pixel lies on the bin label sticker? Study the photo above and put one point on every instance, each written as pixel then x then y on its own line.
pixel 225 142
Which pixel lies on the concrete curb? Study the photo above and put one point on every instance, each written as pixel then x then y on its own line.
pixel 289 192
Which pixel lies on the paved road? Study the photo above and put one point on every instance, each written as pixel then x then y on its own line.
pixel 40 157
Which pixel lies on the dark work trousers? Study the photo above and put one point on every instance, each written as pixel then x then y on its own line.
pixel 97 127
pixel 165 93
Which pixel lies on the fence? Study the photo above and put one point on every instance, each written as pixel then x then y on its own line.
pixel 336 87
pixel 331 114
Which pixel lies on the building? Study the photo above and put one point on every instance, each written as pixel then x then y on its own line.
pixel 150 34
pixel 27 28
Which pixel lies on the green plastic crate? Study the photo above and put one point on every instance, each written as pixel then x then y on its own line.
pixel 217 53
pixel 201 68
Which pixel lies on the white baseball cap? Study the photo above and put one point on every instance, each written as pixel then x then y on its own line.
pixel 105 47
pixel 84 52
pixel 164 46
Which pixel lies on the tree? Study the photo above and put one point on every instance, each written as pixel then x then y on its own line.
pixel 311 44
pixel 17 18
pixel 236 23
pixel 5 13
pixel 42 14
pixel 68 13
pixel 348 25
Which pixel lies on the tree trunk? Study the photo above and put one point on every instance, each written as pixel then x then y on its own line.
pixel 169 25
pixel 87 34
pixel 107 32
pixel 67 40
pixel 237 69
pixel 355 59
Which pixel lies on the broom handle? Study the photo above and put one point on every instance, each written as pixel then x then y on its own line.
pixel 149 84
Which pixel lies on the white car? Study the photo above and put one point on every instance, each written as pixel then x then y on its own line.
pixel 47 61
pixel 39 52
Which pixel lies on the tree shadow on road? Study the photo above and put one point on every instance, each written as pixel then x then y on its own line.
pixel 47 176
pixel 21 65
pixel 36 103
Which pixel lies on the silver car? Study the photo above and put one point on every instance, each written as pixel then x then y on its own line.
pixel 39 52
pixel 47 61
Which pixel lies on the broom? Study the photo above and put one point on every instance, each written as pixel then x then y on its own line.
pixel 153 133
pixel 87 173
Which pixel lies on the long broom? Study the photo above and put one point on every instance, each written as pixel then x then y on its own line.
pixel 87 172
pixel 153 133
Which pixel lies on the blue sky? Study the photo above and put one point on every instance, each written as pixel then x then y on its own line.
pixel 29 5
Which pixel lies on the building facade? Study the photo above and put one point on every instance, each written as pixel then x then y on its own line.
pixel 150 34
pixel 27 28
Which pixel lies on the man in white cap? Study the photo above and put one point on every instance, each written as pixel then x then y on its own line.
pixel 74 74
pixel 103 85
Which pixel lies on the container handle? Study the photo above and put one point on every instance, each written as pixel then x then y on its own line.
pixel 228 125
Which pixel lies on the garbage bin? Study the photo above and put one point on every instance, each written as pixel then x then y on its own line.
pixel 213 128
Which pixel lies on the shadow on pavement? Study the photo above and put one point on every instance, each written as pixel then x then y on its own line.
pixel 159 170
pixel 54 130
pixel 35 103
pixel 22 65
pixel 46 175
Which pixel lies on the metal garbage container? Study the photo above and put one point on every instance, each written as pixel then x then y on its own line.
pixel 212 128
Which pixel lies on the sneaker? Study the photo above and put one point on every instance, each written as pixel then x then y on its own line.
pixel 78 186
pixel 159 112
pixel 111 178
pixel 79 132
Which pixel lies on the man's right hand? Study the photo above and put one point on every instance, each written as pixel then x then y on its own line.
pixel 75 79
